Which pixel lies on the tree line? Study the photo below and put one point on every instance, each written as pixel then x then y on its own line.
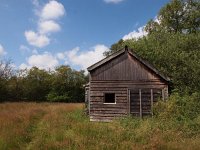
pixel 172 44
pixel 60 85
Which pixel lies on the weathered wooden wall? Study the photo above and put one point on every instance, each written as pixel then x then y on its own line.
pixel 101 111
pixel 118 76
pixel 124 67
pixel 142 100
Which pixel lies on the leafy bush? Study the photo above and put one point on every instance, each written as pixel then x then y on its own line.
pixel 54 97
pixel 180 112
pixel 180 108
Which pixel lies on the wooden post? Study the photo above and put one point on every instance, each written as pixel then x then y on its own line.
pixel 128 102
pixel 163 95
pixel 166 93
pixel 140 93
pixel 89 100
pixel 152 102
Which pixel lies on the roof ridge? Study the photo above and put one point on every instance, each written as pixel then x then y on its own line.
pixel 111 56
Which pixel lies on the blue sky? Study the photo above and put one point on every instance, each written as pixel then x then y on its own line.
pixel 48 33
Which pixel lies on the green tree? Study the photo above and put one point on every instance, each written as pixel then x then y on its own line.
pixel 172 44
pixel 37 84
pixel 17 86
pixel 178 16
pixel 6 71
pixel 67 85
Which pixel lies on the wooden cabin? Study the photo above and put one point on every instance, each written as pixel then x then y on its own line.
pixel 123 84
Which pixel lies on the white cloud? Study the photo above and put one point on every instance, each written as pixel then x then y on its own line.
pixel 52 10
pixel 35 2
pixel 13 66
pixel 140 32
pixel 48 26
pixel 156 19
pixel 74 57
pixel 2 51
pixel 60 56
pixel 42 61
pixel 36 39
pixel 113 1
pixel 24 49
pixel 24 66
pixel 86 59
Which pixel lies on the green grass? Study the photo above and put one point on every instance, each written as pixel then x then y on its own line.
pixel 57 126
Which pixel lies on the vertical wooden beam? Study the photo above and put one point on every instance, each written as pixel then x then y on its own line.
pixel 128 102
pixel 166 92
pixel 89 99
pixel 140 93
pixel 86 100
pixel 152 102
pixel 163 95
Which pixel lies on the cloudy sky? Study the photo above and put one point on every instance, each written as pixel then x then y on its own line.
pixel 48 33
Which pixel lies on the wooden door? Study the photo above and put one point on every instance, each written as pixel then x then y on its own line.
pixel 146 101
pixel 142 100
pixel 135 102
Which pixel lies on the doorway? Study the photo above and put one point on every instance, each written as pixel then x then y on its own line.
pixel 141 101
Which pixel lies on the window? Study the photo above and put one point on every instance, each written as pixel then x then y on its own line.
pixel 109 98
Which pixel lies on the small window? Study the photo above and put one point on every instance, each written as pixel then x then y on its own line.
pixel 109 98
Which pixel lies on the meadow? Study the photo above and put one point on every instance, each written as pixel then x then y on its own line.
pixel 32 126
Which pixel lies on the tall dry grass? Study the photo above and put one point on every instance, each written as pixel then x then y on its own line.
pixel 20 122
pixel 64 126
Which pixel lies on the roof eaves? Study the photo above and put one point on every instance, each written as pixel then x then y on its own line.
pixel 110 57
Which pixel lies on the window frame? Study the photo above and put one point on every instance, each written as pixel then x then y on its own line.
pixel 109 93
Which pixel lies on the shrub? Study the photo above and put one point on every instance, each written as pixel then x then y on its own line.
pixel 54 97
pixel 179 113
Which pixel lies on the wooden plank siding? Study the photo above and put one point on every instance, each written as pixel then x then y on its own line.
pixel 124 67
pixel 122 75
pixel 104 112
pixel 101 111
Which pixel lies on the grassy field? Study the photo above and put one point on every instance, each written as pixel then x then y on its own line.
pixel 64 126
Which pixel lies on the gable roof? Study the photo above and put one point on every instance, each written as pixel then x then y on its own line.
pixel 122 51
